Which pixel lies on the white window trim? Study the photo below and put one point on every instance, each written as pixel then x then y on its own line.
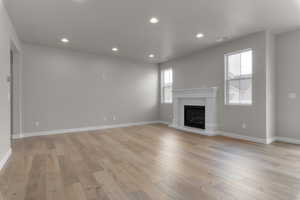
pixel 225 79
pixel 163 85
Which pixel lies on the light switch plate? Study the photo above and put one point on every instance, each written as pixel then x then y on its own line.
pixel 8 79
pixel 37 124
pixel 292 95
pixel 244 125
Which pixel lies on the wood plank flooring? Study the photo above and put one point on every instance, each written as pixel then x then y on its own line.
pixel 149 162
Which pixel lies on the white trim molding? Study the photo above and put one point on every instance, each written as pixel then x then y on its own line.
pixel 270 140
pixel 5 158
pixel 77 130
pixel 227 134
pixel 17 136
pixel 164 122
pixel 194 130
pixel 244 137
pixel 287 140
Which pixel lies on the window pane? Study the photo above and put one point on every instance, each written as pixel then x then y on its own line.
pixel 234 66
pixel 233 91
pixel 239 78
pixel 246 62
pixel 246 91
pixel 168 76
pixel 167 94
pixel 166 87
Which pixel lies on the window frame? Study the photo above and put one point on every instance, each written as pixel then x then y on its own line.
pixel 226 80
pixel 163 85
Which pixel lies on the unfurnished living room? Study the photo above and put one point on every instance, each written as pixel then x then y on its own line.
pixel 149 100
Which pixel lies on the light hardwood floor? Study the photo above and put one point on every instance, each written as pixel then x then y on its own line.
pixel 149 162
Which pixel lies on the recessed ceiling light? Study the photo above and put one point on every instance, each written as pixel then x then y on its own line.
pixel 222 39
pixel 219 39
pixel 115 49
pixel 154 20
pixel 65 40
pixel 200 35
pixel 151 56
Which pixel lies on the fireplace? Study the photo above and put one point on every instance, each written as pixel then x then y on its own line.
pixel 199 102
pixel 194 116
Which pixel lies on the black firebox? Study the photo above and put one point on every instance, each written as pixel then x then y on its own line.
pixel 194 116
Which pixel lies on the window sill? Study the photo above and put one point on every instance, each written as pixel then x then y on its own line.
pixel 166 102
pixel 246 105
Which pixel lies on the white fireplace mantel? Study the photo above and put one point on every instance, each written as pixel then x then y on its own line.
pixel 199 97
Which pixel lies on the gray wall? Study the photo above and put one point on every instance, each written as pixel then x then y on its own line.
pixel 64 89
pixel 206 69
pixel 288 81
pixel 7 36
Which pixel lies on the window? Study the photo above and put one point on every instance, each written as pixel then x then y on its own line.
pixel 238 78
pixel 166 85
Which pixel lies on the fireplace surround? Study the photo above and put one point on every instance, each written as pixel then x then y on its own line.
pixel 204 97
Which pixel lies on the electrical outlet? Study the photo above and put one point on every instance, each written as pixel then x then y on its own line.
pixel 8 79
pixel 244 125
pixel 37 123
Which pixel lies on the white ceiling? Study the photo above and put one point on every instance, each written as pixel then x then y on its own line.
pixel 98 25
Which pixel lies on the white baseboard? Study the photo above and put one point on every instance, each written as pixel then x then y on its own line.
pixel 164 122
pixel 287 140
pixel 74 130
pixel 253 139
pixel 94 128
pixel 194 130
pixel 5 158
pixel 222 133
pixel 270 140
pixel 244 137
pixel 17 136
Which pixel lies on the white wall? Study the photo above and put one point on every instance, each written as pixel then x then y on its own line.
pixel 17 91
pixel 206 69
pixel 7 36
pixel 270 85
pixel 288 81
pixel 64 89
